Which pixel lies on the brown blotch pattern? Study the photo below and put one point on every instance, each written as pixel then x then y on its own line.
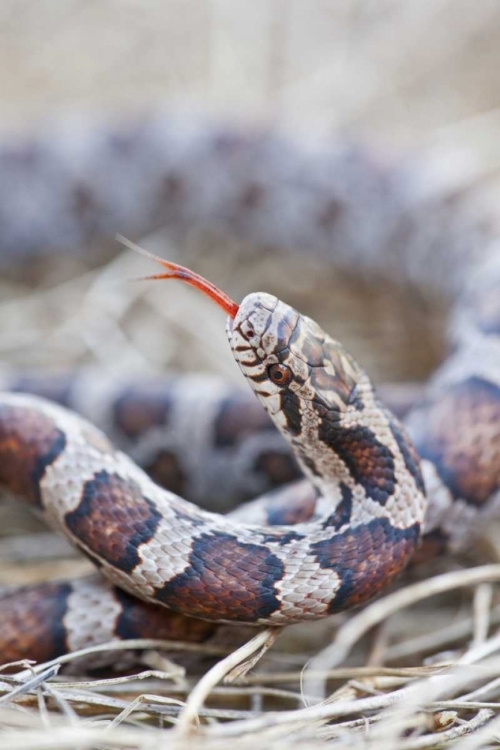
pixel 278 467
pixel 312 350
pixel 142 620
pixel 405 445
pixel 113 519
pixel 342 513
pixel 462 439
pixel 433 544
pixel 239 416
pixel 325 382
pixel 225 579
pixel 174 187
pixel 29 443
pixel 292 411
pixel 253 196
pixel 31 620
pixel 139 409
pixel 366 558
pixel 342 383
pixel 85 204
pixel 331 213
pixel 369 461
pixel 166 469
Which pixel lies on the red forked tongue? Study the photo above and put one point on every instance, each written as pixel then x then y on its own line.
pixel 175 271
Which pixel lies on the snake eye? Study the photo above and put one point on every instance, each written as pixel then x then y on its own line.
pixel 279 374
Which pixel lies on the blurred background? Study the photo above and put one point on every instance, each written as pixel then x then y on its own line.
pixel 406 75
pixel 415 83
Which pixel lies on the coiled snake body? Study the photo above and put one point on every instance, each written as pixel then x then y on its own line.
pixel 358 526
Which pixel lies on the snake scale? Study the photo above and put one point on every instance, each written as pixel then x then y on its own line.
pixel 371 490
pixel 357 519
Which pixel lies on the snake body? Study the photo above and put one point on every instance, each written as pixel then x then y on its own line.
pixel 197 435
pixel 358 515
pixel 357 522
pixel 164 550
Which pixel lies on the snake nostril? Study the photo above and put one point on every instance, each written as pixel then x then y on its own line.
pixel 247 330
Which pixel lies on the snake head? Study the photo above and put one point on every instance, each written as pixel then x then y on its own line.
pixel 299 373
pixel 296 370
pixel 305 380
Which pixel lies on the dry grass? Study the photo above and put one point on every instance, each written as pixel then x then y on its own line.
pixel 287 689
pixel 417 669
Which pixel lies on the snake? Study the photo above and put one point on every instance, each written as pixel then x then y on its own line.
pixel 377 492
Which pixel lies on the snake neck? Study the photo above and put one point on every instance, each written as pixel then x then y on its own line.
pixel 360 452
pixel 346 441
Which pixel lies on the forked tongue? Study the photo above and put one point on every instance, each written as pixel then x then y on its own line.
pixel 175 271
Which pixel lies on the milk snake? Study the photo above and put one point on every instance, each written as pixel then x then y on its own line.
pixel 357 520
